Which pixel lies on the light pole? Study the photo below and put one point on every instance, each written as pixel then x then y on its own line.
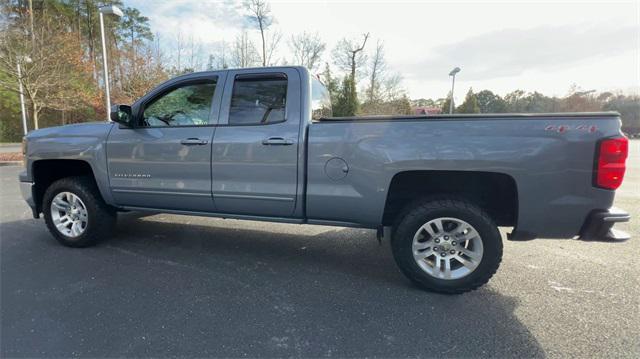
pixel 108 10
pixel 26 60
pixel 453 83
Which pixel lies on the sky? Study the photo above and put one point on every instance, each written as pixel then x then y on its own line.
pixel 545 46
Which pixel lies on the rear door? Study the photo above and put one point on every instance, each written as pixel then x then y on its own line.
pixel 255 147
pixel 165 161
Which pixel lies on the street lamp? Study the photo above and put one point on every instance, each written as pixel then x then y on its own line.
pixel 453 82
pixel 26 60
pixel 107 10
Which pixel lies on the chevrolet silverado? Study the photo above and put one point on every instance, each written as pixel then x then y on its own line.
pixel 260 144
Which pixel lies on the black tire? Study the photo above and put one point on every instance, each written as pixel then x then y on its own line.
pixel 424 211
pixel 101 218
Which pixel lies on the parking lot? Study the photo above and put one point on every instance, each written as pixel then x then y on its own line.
pixel 172 285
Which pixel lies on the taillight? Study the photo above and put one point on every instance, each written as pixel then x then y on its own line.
pixel 610 165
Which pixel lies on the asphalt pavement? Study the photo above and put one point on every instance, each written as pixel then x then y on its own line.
pixel 170 285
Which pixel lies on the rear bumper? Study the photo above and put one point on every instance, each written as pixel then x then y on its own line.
pixel 599 225
pixel 26 189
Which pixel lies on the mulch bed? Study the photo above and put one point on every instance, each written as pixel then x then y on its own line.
pixel 10 156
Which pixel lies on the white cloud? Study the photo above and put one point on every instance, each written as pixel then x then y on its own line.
pixel 205 21
pixel 511 52
pixel 545 46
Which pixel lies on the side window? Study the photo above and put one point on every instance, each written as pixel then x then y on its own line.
pixel 189 105
pixel 258 100
pixel 320 100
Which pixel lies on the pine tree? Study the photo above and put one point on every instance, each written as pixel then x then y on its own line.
pixel 470 104
pixel 446 105
pixel 330 82
pixel 347 100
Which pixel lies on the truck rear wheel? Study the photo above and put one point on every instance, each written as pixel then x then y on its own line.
pixel 447 246
pixel 75 213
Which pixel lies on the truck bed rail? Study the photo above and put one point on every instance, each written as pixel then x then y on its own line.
pixel 478 116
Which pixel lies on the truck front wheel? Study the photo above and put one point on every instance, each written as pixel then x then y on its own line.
pixel 447 245
pixel 75 213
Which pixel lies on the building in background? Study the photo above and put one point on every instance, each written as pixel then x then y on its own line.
pixel 427 110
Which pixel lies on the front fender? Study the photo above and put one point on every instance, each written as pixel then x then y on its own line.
pixel 85 142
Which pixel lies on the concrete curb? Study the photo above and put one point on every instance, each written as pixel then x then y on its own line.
pixel 10 163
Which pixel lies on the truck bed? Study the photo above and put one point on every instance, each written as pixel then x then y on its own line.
pixel 549 156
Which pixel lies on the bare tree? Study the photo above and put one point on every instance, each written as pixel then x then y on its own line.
pixel 260 15
pixel 150 72
pixel 307 49
pixel 158 55
pixel 195 54
pixel 244 53
pixel 349 55
pixel 272 44
pixel 31 29
pixel 377 71
pixel 392 87
pixel 384 94
pixel 218 59
pixel 90 25
pixel 179 48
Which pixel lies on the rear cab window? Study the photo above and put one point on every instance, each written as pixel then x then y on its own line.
pixel 258 99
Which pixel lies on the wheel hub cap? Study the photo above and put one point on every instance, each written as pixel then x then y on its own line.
pixel 69 214
pixel 447 248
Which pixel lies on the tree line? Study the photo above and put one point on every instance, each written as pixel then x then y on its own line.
pixel 58 47
pixel 519 101
pixel 56 44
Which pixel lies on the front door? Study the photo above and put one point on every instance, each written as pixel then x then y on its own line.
pixel 164 161
pixel 255 147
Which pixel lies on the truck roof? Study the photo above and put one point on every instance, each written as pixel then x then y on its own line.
pixel 243 69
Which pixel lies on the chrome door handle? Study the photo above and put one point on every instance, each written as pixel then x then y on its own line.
pixel 277 141
pixel 193 142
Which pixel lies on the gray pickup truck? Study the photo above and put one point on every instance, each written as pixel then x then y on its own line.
pixel 259 144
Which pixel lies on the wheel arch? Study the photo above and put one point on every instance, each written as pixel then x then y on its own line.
pixel 46 171
pixel 494 192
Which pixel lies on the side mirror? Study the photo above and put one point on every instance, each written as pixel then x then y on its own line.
pixel 121 114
